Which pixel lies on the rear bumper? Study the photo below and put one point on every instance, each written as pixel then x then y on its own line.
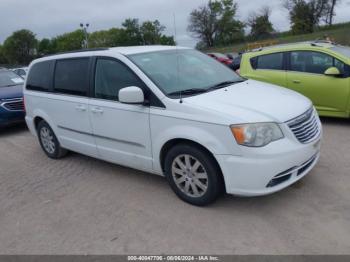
pixel 266 174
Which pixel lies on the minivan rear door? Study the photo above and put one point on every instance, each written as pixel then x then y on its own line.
pixel 122 131
pixel 68 105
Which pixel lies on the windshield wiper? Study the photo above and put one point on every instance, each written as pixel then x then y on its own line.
pixel 225 84
pixel 191 91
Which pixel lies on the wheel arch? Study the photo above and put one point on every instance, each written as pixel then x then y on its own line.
pixel 176 141
pixel 42 116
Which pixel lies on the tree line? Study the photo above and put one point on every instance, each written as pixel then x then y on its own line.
pixel 23 46
pixel 216 23
pixel 213 24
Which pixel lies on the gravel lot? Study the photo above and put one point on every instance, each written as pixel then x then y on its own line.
pixel 80 205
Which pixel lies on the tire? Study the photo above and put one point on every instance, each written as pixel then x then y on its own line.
pixel 198 183
pixel 48 141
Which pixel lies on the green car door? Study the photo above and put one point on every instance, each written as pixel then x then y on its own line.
pixel 306 75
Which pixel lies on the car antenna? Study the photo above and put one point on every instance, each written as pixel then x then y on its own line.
pixel 177 59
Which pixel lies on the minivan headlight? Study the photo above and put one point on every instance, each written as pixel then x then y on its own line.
pixel 256 135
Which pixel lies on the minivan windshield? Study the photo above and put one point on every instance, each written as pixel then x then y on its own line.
pixel 184 71
pixel 8 78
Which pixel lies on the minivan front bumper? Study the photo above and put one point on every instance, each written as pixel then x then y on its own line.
pixel 262 174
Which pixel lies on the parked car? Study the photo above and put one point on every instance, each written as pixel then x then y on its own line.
pixel 232 55
pixel 22 72
pixel 221 58
pixel 175 112
pixel 320 71
pixel 11 98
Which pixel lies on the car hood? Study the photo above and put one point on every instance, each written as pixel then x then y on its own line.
pixel 11 92
pixel 253 101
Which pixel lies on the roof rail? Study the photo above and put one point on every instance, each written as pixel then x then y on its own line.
pixel 80 51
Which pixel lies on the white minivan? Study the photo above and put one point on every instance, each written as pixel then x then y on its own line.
pixel 175 112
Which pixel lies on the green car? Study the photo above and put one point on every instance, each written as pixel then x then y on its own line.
pixel 318 70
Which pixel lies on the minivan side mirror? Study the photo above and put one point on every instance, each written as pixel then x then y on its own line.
pixel 131 95
pixel 332 71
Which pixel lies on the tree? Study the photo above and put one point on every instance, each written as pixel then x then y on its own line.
pixel 3 59
pixel 167 40
pixel 261 27
pixel 20 47
pixel 331 11
pixel 108 38
pixel 132 31
pixel 46 47
pixel 149 33
pixel 306 15
pixel 152 33
pixel 215 23
pixel 69 41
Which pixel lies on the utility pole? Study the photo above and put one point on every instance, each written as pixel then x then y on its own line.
pixel 86 40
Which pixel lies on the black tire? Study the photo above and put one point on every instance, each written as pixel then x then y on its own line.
pixel 56 151
pixel 214 181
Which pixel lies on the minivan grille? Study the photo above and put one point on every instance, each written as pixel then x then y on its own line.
pixel 13 104
pixel 305 127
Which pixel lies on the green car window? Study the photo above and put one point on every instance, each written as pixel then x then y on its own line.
pixel 313 62
pixel 269 62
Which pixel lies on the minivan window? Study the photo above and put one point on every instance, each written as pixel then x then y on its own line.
pixel 313 62
pixel 111 76
pixel 269 62
pixel 71 76
pixel 40 76
pixel 179 70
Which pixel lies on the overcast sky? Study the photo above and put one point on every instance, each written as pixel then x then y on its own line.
pixel 49 18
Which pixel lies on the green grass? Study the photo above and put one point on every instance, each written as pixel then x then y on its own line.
pixel 339 32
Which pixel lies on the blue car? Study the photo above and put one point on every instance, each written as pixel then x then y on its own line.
pixel 11 98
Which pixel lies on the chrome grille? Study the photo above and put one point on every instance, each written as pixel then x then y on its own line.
pixel 13 104
pixel 305 127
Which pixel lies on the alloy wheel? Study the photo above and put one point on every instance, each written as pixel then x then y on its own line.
pixel 189 175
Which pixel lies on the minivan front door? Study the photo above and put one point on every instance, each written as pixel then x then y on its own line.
pixel 306 76
pixel 122 131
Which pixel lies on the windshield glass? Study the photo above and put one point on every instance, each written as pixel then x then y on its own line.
pixel 342 50
pixel 8 78
pixel 179 70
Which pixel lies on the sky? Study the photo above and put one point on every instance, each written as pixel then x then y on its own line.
pixel 50 18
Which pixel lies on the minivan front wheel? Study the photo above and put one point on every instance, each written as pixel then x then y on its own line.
pixel 192 174
pixel 49 142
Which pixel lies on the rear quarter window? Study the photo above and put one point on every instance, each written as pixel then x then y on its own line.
pixel 268 62
pixel 40 76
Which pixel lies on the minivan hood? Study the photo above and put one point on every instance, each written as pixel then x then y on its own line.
pixel 253 101
pixel 11 92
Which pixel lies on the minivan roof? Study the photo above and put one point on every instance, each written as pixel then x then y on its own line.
pixel 128 50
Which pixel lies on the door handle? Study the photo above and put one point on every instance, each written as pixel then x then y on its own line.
pixel 97 110
pixel 80 108
pixel 296 81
